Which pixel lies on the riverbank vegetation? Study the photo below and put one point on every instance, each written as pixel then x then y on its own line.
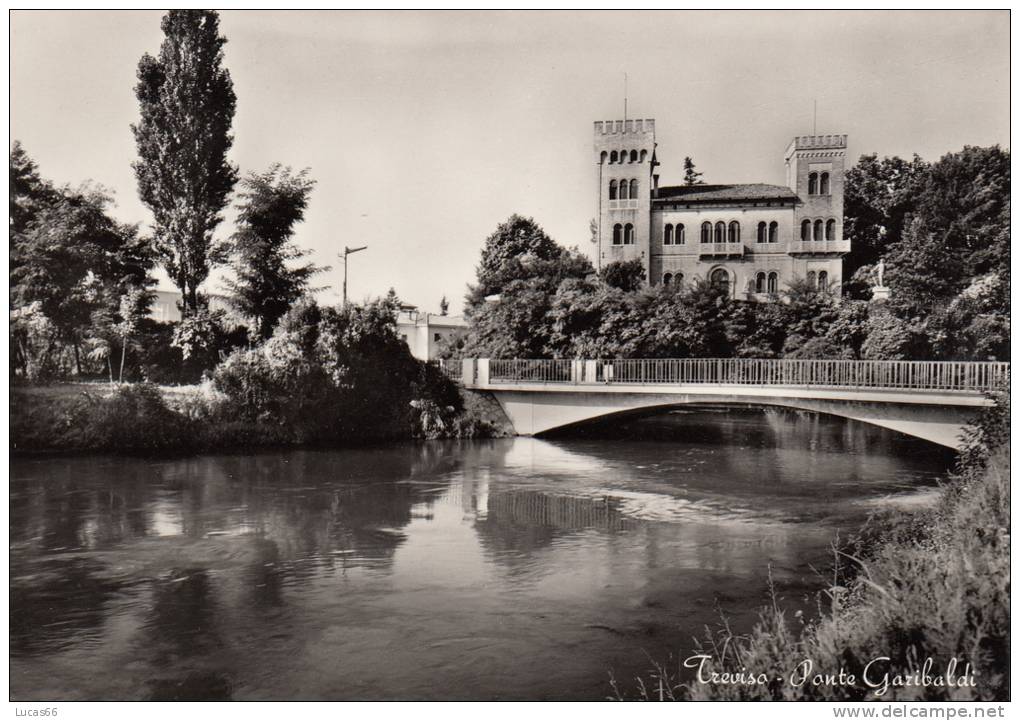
pixel 267 367
pixel 933 584
pixel 942 229
pixel 326 376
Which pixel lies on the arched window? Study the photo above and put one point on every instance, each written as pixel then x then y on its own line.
pixel 633 158
pixel 614 157
pixel 818 230
pixel 628 234
pixel 762 232
pixel 633 189
pixel 823 280
pixel 678 279
pixel 612 190
pixel 805 230
pixel 679 237
pixel 720 232
pixel 812 184
pixel 773 232
pixel 811 279
pixel 604 157
pixel 644 154
pixel 617 234
pixel 706 232
pixel 773 282
pixel 624 187
pixel 667 278
pixel 823 185
pixel 734 236
pixel 720 279
pixel 759 282
pixel 667 234
pixel 830 230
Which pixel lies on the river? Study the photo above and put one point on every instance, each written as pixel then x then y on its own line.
pixel 501 569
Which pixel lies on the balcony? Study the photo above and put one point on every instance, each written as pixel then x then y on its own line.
pixel 721 249
pixel 819 247
pixel 623 204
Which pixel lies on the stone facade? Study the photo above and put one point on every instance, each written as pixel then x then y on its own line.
pixel 753 239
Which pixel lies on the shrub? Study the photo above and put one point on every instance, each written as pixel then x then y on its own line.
pixel 332 375
pixel 134 418
pixel 627 275
pixel 160 361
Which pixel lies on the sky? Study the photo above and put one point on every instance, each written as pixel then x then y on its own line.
pixel 425 130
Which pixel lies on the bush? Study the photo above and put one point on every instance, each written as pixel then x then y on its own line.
pixel 338 375
pixel 628 275
pixel 160 361
pixel 133 418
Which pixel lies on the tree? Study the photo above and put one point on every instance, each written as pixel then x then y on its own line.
pixel 29 193
pixel 626 275
pixel 878 198
pixel 965 199
pixel 519 325
pixel 691 175
pixel 516 244
pixel 73 259
pixel 272 203
pixel 133 308
pixel 923 271
pixel 187 105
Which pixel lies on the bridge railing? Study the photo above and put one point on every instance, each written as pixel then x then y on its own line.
pixel 536 371
pixel 449 368
pixel 910 375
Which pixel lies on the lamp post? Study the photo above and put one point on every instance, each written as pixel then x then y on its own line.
pixel 348 251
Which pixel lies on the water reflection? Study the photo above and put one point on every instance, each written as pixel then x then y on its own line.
pixel 431 570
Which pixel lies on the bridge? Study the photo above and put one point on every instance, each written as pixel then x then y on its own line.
pixel 933 400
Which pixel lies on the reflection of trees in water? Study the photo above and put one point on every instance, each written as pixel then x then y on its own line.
pixel 296 509
pixel 182 621
pixel 78 504
pixel 309 507
pixel 58 602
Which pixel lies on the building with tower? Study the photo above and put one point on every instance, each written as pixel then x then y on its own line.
pixel 751 239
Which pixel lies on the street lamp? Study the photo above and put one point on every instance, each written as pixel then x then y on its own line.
pixel 347 251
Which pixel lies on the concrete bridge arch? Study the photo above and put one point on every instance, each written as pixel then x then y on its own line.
pixel 534 414
pixel 934 401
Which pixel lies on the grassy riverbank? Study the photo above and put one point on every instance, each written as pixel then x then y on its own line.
pixel 144 418
pixel 933 584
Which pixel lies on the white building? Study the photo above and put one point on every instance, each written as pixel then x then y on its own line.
pixel 423 332
pixel 165 310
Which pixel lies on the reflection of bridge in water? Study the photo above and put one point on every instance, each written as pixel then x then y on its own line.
pixel 933 400
pixel 567 513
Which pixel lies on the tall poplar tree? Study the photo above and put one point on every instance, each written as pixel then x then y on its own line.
pixel 187 105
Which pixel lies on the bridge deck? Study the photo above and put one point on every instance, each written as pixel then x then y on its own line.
pixel 751 393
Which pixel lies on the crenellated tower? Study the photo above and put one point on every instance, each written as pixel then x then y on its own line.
pixel 625 160
pixel 815 170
